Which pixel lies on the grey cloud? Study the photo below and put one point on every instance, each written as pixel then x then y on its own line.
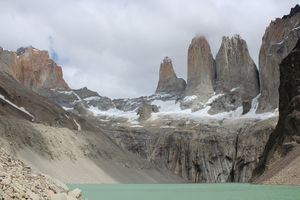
pixel 115 47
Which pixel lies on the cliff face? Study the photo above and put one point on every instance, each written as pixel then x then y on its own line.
pixel 33 68
pixel 288 127
pixel 168 82
pixel 40 71
pixel 204 152
pixel 201 69
pixel 279 39
pixel 235 68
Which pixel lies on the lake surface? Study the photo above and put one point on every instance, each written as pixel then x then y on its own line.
pixel 214 191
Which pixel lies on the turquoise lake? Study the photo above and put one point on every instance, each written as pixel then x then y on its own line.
pixel 214 191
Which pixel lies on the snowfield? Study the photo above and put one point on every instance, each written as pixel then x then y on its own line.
pixel 171 109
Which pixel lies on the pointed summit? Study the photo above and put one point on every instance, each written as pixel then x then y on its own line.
pixel 201 69
pixel 168 81
pixel 235 69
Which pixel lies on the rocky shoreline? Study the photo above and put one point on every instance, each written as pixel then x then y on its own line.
pixel 19 181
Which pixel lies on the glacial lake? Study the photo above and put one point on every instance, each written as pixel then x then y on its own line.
pixel 201 191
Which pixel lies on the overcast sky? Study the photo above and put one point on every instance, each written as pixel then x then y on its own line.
pixel 115 46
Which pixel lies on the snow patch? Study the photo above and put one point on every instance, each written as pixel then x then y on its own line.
pixel 64 92
pixel 96 98
pixel 234 89
pixel 167 127
pixel 17 107
pixel 252 112
pixel 66 108
pixel 77 96
pixel 114 113
pixel 77 124
pixel 189 98
pixel 136 126
pixel 213 98
pixel 69 93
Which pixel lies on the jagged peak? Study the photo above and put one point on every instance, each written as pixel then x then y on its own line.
pixel 22 50
pixel 234 37
pixel 167 60
pixel 235 40
pixel 293 12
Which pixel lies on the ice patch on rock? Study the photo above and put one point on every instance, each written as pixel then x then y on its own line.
pixel 189 98
pixel 78 125
pixel 114 113
pixel 94 98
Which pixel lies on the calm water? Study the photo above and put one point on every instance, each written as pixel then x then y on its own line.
pixel 216 191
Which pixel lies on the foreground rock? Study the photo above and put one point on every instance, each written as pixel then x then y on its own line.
pixel 168 82
pixel 18 181
pixel 288 127
pixel 278 41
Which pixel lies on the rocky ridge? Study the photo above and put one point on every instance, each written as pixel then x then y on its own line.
pixel 278 41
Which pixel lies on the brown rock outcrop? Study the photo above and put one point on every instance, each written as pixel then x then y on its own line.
pixel 33 68
pixel 168 82
pixel 279 39
pixel 40 71
pixel 235 69
pixel 201 69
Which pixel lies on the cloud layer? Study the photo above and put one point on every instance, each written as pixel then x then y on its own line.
pixel 115 46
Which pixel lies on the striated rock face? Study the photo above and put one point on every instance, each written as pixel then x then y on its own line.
pixel 235 69
pixel 288 127
pixel 201 69
pixel 205 152
pixel 279 39
pixel 40 71
pixel 168 81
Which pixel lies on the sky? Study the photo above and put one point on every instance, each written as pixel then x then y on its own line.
pixel 115 47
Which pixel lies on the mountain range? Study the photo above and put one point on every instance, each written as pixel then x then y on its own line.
pixel 220 125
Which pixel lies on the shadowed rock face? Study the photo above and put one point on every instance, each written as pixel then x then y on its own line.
pixel 168 82
pixel 201 69
pixel 279 39
pixel 235 69
pixel 288 125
